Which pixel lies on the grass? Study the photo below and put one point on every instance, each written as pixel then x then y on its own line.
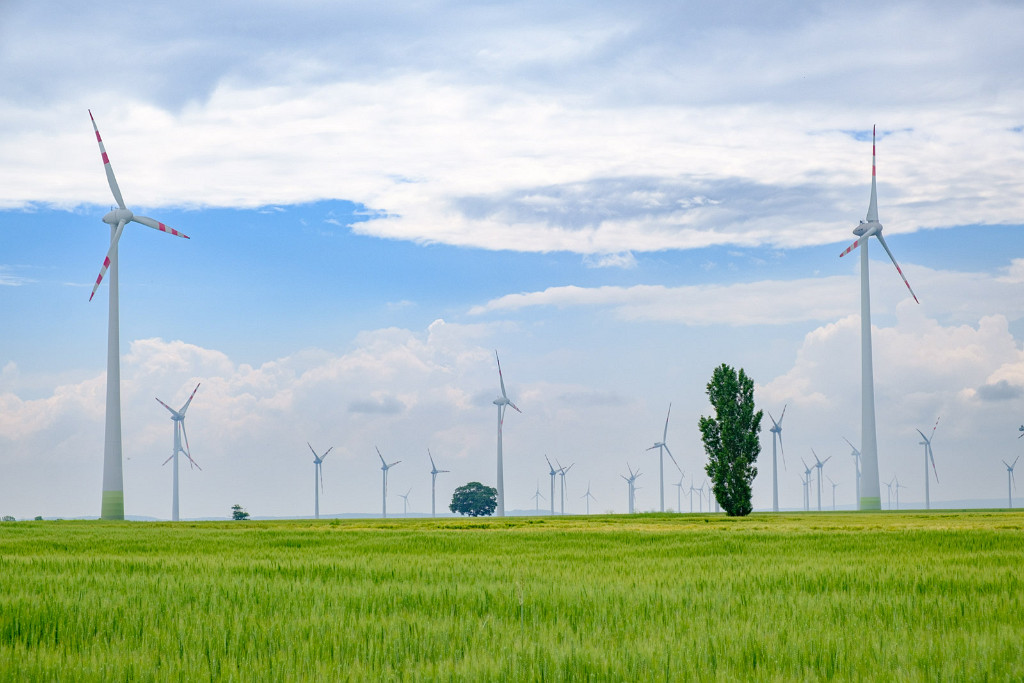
pixel 849 596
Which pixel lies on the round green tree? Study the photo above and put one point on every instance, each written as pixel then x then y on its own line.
pixel 731 439
pixel 474 499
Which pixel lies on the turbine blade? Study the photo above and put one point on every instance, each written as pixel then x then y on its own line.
pixel 167 460
pixel 898 269
pixel 381 457
pixel 157 225
pixel 664 436
pixel 106 260
pixel 185 407
pixel 315 456
pixel 500 378
pixel 850 248
pixel 935 427
pixel 673 459
pixel 325 453
pixel 781 449
pixel 173 412
pixel 873 203
pixel 783 416
pixel 515 407
pixel 931 455
pixel 188 449
pixel 106 165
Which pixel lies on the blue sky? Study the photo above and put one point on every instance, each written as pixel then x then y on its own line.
pixel 617 199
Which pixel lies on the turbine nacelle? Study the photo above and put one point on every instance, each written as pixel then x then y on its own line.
pixel 116 216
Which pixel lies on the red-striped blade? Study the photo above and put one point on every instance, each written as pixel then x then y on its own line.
pixel 932 457
pixel 500 378
pixel 898 270
pixel 166 406
pixel 157 225
pixel 850 248
pixel 106 165
pixel 188 450
pixel 106 260
pixel 185 407
pixel 167 460
pixel 326 452
pixel 935 427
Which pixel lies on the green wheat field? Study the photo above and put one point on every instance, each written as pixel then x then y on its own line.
pixel 789 597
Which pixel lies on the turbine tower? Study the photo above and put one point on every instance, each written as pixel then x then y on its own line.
pixel 928 455
pixel 318 478
pixel 384 467
pixel 502 402
pixel 433 482
pixel 898 486
pixel 856 466
pixel 662 449
pixel 554 473
pixel 1010 483
pixel 871 496
pixel 586 495
pixel 776 431
pixel 631 480
pixel 405 504
pixel 819 464
pixel 178 416
pixel 834 485
pixel 112 502
pixel 563 471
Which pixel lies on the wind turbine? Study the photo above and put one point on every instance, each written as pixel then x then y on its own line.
pixel 834 485
pixel 405 505
pixel 776 431
pixel 178 416
pixel 502 402
pixel 433 482
pixel 692 490
pixel 1010 482
pixel 384 467
pixel 631 480
pixel 928 455
pixel 807 484
pixel 804 482
pixel 589 497
pixel 679 494
pixel 898 486
pixel 819 464
pixel 538 496
pixel 112 503
pixel 856 466
pixel 871 496
pixel 554 473
pixel 889 485
pixel 1021 430
pixel 563 471
pixel 318 478
pixel 662 449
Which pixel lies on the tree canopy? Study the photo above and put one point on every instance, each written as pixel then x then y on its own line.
pixel 731 439
pixel 238 512
pixel 474 499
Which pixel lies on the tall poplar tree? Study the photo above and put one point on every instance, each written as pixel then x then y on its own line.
pixel 731 439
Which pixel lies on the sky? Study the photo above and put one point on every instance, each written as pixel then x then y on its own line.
pixel 617 198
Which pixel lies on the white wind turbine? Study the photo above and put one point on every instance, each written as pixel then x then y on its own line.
pixel 819 464
pixel 807 485
pixel 890 485
pixel 898 486
pixel 563 471
pixel 776 431
pixel 554 473
pixel 693 489
pixel 928 455
pixel 433 482
pixel 178 416
pixel 384 467
pixel 662 447
pixel 318 478
pixel 856 466
pixel 631 480
pixel 538 497
pixel 834 485
pixel 588 496
pixel 502 402
pixel 405 499
pixel 679 493
pixel 112 503
pixel 871 496
pixel 1010 482
pixel 804 482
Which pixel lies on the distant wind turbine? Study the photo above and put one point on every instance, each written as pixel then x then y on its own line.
pixel 898 486
pixel 834 485
pixel 819 464
pixel 384 467
pixel 890 485
pixel 405 504
pixel 693 489
pixel 928 455
pixel 178 416
pixel 318 478
pixel 662 447
pixel 563 471
pixel 433 482
pixel 856 466
pixel 589 497
pixel 1010 483
pixel 871 496
pixel 631 481
pixel 679 493
pixel 502 402
pixel 776 431
pixel 538 496
pixel 112 503
pixel 554 473
pixel 807 485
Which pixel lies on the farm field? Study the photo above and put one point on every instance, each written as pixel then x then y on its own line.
pixel 886 596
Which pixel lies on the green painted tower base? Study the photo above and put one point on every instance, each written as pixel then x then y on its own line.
pixel 113 505
pixel 871 503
